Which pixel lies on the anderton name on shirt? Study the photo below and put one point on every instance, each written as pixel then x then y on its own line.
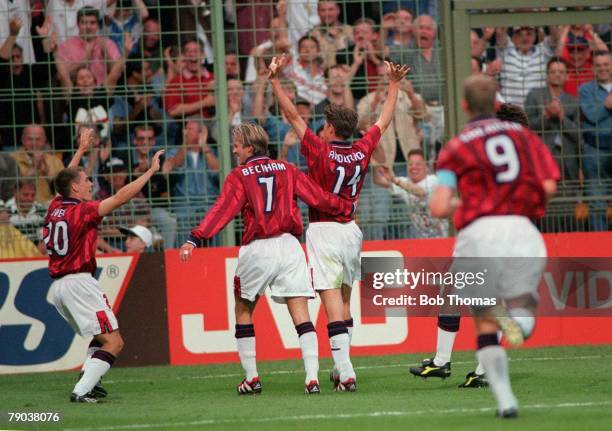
pixel 263 168
pixel 346 158
pixel 481 131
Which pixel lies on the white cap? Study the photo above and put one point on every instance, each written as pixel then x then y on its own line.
pixel 139 231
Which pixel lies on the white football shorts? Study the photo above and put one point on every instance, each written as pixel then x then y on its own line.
pixel 510 247
pixel 80 301
pixel 334 254
pixel 277 262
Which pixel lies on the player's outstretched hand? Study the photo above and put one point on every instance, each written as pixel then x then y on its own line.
pixel 155 164
pixel 396 72
pixel 185 252
pixel 276 66
pixel 87 137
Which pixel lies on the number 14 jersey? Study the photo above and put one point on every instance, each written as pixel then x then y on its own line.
pixel 338 167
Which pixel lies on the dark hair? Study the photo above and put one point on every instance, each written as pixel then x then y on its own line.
pixel 407 9
pixel 601 53
pixel 344 120
pixel 88 11
pixel 557 59
pixel 416 152
pixel 308 37
pixel 512 113
pixel 23 183
pixel 479 61
pixel 64 180
pixel 18 47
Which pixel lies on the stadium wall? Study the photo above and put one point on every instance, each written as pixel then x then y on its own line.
pixel 172 313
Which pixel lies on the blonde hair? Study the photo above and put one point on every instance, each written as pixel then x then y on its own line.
pixel 252 135
pixel 479 92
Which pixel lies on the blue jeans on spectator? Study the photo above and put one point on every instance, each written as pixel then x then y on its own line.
pixel 597 164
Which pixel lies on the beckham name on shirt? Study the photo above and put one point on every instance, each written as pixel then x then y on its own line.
pixel 263 169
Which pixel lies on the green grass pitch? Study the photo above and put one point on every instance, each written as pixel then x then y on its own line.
pixel 567 388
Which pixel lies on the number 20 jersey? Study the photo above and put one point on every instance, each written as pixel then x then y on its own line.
pixel 338 167
pixel 500 167
pixel 70 233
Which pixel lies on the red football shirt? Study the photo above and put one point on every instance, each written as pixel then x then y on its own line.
pixel 70 234
pixel 265 190
pixel 187 88
pixel 500 167
pixel 338 167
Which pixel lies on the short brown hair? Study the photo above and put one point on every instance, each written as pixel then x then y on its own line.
pixel 479 92
pixel 64 180
pixel 343 119
pixel 416 152
pixel 512 113
pixel 252 135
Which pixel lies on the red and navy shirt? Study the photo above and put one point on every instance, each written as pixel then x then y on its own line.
pixel 265 190
pixel 70 234
pixel 338 167
pixel 499 168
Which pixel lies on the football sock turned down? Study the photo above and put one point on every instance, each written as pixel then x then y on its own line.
pixel 94 346
pixel 245 339
pixel 447 331
pixel 95 368
pixel 339 342
pixel 310 350
pixel 493 358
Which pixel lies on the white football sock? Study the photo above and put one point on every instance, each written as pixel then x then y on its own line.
pixel 94 369
pixel 246 351
pixel 495 362
pixel 340 352
pixel 310 354
pixel 524 318
pixel 444 347
pixel 90 352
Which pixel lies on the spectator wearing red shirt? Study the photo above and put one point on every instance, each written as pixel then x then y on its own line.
pixel 190 91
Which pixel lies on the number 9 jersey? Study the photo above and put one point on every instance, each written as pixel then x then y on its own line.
pixel 499 168
pixel 70 234
pixel 338 167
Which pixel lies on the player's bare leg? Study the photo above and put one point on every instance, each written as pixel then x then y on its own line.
pixel 245 340
pixel 95 367
pixel 298 309
pixel 338 338
pixel 494 359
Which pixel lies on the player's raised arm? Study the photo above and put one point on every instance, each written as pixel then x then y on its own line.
pixel 130 190
pixel 314 196
pixel 286 105
pixel 87 135
pixel 395 73
pixel 228 205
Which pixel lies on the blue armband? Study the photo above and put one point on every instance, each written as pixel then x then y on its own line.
pixel 447 178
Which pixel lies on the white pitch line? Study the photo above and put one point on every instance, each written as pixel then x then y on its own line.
pixel 340 416
pixel 364 367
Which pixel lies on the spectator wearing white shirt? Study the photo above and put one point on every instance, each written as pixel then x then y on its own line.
pixel 63 15
pixel 307 72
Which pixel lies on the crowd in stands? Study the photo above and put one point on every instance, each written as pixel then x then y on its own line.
pixel 141 72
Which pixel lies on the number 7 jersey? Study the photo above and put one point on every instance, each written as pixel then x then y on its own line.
pixel 500 167
pixel 70 234
pixel 338 167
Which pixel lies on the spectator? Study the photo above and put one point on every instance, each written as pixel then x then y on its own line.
pixel 18 110
pixel 158 187
pixel 194 171
pixel 64 15
pixel 25 213
pixel 8 174
pixel 235 102
pixel 364 57
pixel 36 162
pixel 232 65
pixel 149 45
pixel 300 16
pixel 332 34
pixel 277 44
pixel 416 190
pixel 554 115
pixel 193 18
pixel 578 53
pixel 190 92
pixel 339 91
pixel 12 243
pixel 17 13
pixel 138 238
pixel 290 149
pixel 254 16
pixel 596 108
pixel 126 17
pixel 88 49
pixel 523 63
pixel 307 73
pixel 401 39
